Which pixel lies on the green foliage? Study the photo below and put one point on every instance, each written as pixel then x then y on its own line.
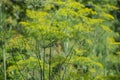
pixel 60 40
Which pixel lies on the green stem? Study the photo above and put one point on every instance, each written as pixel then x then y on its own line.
pixel 38 57
pixel 50 63
pixel 3 48
pixel 44 65
pixel 4 63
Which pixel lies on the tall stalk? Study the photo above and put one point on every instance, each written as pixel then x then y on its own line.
pixel 4 63
pixel 3 47
pixel 38 57
pixel 44 64
pixel 50 58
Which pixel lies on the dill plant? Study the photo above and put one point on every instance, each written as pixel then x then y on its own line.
pixel 84 34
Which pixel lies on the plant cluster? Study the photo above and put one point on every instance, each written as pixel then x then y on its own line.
pixel 59 40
